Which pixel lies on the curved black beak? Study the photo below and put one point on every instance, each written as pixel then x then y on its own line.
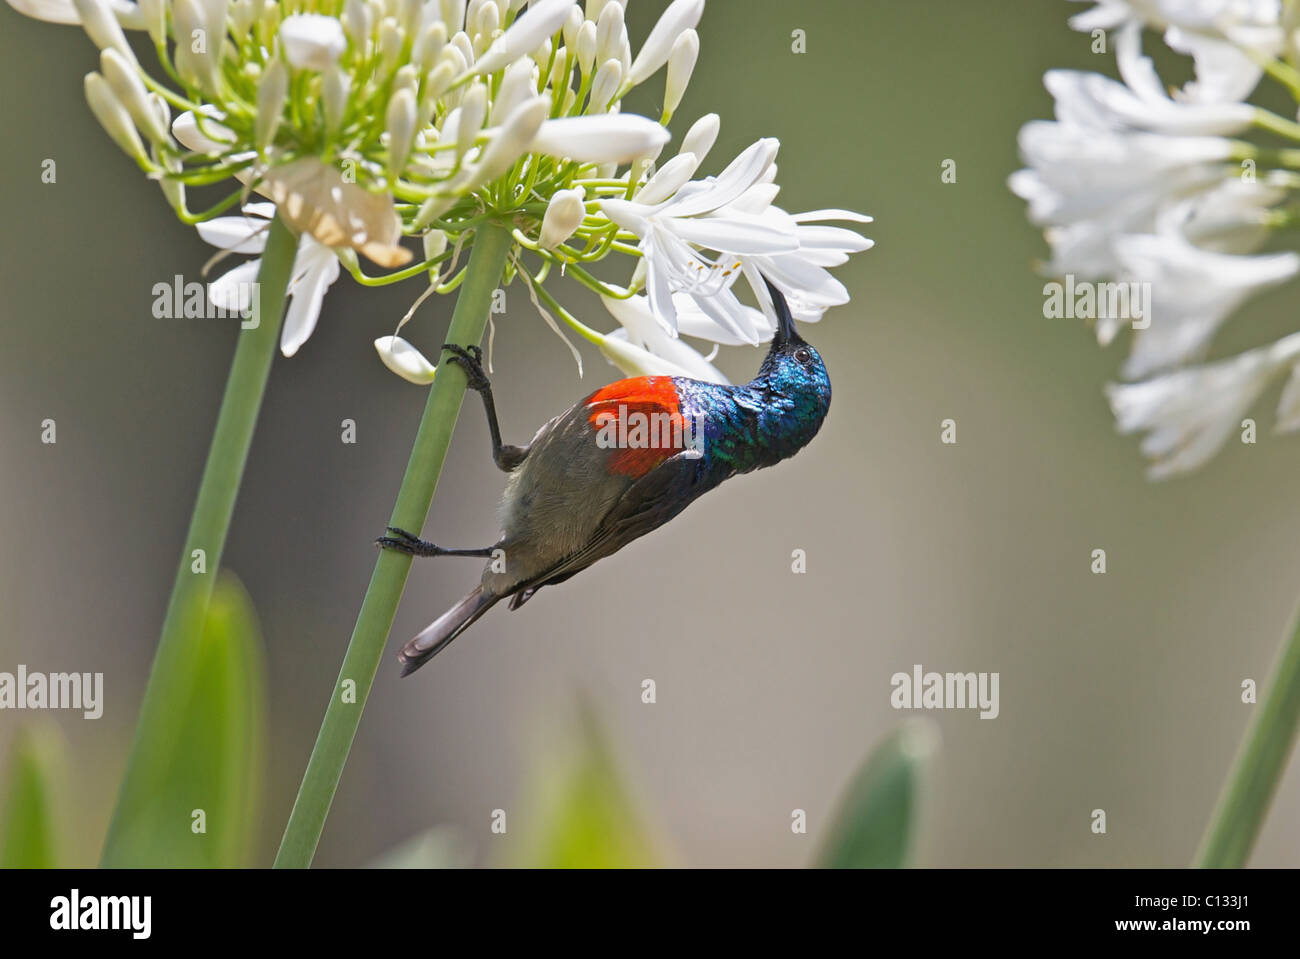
pixel 785 331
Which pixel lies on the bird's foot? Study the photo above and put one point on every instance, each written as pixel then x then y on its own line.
pixel 405 542
pixel 470 359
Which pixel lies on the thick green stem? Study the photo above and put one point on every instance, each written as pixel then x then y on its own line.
pixel 206 539
pixel 1258 768
pixel 491 245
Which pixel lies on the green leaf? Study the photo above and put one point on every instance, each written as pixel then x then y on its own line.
pixel 440 847
pixel 31 826
pixel 581 816
pixel 195 799
pixel 877 815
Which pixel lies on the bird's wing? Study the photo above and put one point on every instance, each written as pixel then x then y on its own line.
pixel 652 400
pixel 647 504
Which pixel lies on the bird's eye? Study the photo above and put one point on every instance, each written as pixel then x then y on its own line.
pixel 803 356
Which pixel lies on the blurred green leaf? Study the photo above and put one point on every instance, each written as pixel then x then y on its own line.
pixel 877 816
pixel 440 847
pixel 582 817
pixel 36 775
pixel 197 800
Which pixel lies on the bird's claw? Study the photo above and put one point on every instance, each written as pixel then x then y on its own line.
pixel 402 541
pixel 470 359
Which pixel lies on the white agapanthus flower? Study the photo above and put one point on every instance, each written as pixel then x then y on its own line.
pixel 1170 194
pixel 366 122
pixel 1188 415
pixel 732 214
pixel 1227 39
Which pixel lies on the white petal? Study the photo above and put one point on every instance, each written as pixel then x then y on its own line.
pixel 742 173
pixel 737 234
pixel 321 268
pixel 1224 72
pixel 657 280
pixel 832 215
pixel 732 317
pixel 628 215
pixel 238 234
pixel 233 290
pixel 692 321
pixel 832 238
pixel 186 129
pixel 1192 412
pixel 636 361
pixel 1192 292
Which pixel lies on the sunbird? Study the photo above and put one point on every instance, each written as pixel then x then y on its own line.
pixel 619 463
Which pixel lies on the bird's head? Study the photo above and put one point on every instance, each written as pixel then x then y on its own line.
pixel 793 367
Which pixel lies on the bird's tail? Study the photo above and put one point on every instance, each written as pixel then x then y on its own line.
pixel 444 629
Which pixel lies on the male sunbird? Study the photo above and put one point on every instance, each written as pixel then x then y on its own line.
pixel 620 463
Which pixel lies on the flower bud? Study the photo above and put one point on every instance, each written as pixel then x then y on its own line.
pixel 586 47
pixel 560 70
pixel 356 21
pixel 435 244
pixel 405 360
pixel 609 33
pixel 605 85
pixel 312 41
pixel 400 125
pixel 154 13
pixel 432 39
pixel 473 110
pixel 439 79
pixel 668 179
pixel 517 85
pixel 335 89
pixel 700 137
pixel 530 28
pixel 129 89
pixel 680 16
pixel 453 14
pixel 600 139
pixel 512 139
pixel 563 217
pixel 102 27
pixel 391 41
pixel 572 24
pixel 487 23
pixel 681 63
pixel 113 117
pixel 197 51
pixel 271 95
pixel 462 43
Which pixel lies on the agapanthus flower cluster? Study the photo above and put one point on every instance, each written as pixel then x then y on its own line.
pixel 367 121
pixel 1181 190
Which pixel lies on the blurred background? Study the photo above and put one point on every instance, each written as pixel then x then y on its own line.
pixel 1118 691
